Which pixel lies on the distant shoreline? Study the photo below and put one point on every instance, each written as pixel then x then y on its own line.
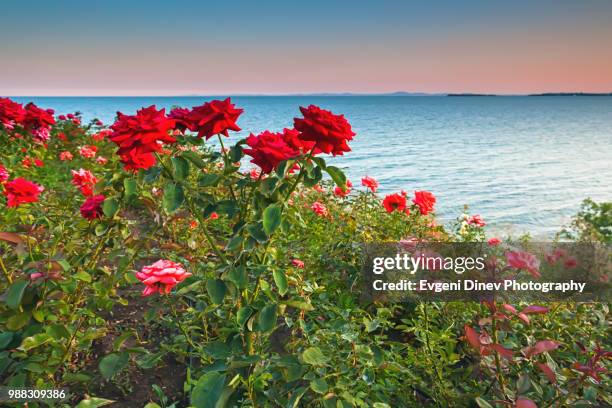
pixel 341 94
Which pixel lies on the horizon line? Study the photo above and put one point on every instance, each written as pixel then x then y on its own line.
pixel 393 93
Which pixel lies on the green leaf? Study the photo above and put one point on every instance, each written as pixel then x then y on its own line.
pixel 110 207
pixel 234 243
pixel 94 402
pixel 228 207
pixel 58 331
pixel 173 197
pixel 17 321
pixel 82 276
pixel 523 384
pixel 281 281
pixel 130 186
pixel 257 232
pixel 34 341
pixel 5 339
pixel 243 315
pixel 319 386
pixel 314 356
pixel 267 318
pixel 300 304
pixel 111 364
pixel 271 218
pixel 208 390
pixel 208 180
pixel 236 153
pixel 15 293
pixel 181 168
pixel 216 290
pixel 337 175
pixel 152 405
pixel 152 174
pixel 238 276
pixel 482 403
pixel 194 158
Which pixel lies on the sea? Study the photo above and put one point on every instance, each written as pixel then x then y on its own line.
pixel 524 163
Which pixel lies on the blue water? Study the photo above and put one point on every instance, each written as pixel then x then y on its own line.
pixel 523 163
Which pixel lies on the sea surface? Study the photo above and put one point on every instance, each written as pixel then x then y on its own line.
pixel 523 163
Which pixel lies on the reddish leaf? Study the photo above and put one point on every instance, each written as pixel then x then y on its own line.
pixel 523 317
pixel 541 347
pixel 534 309
pixel 509 308
pixel 548 372
pixel 504 352
pixel 522 402
pixel 11 237
pixel 472 337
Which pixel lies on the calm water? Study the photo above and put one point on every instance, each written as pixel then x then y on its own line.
pixel 523 163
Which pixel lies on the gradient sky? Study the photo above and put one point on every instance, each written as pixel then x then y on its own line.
pixel 134 47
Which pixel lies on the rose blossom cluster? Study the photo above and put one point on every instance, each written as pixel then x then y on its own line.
pixel 30 118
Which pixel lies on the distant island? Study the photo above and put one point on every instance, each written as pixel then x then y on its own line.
pixel 572 94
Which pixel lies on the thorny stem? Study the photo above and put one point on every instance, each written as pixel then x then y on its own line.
pixel 227 163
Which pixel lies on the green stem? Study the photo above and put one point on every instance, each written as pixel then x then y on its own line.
pixel 227 164
pixel 195 213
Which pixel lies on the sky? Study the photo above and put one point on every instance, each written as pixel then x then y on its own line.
pixel 187 47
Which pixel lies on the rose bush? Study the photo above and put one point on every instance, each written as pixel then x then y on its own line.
pixel 251 275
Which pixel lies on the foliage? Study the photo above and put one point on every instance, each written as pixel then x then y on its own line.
pixel 269 311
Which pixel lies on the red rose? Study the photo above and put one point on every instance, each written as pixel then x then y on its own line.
pixel 11 113
pixel 292 137
pixel 269 149
pixel 425 201
pixel 394 202
pixel 92 207
pixel 181 119
pixel 329 132
pixel 370 182
pixel 38 121
pixel 297 263
pixel 138 136
pixel 161 276
pixel 343 192
pixel 214 118
pixel 493 241
pixel 84 180
pixel 20 191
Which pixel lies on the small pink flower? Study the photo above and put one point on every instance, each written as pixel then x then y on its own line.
pixel 318 188
pixel 4 174
pixel 524 261
pixel 88 151
pixel 319 209
pixel 38 163
pixel 84 180
pixel 254 173
pixel 297 263
pixel 101 160
pixel 65 156
pixel 477 220
pixel 161 276
pixel 493 241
